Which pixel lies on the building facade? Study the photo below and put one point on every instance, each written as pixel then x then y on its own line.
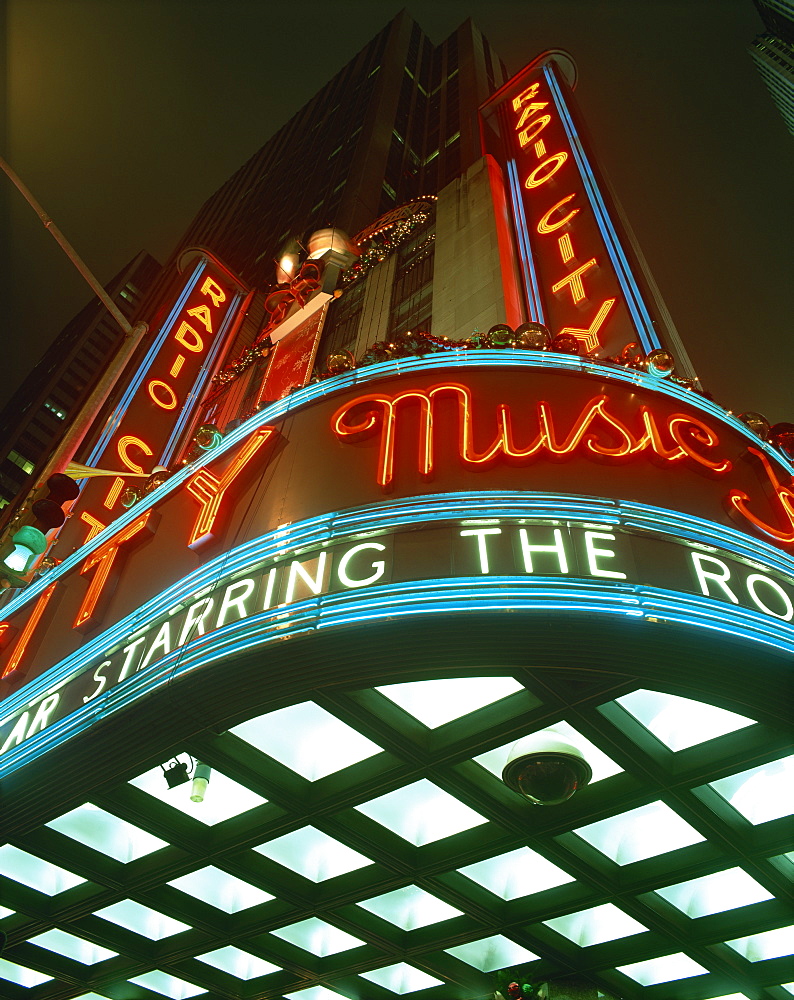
pixel 33 421
pixel 445 483
pixel 773 54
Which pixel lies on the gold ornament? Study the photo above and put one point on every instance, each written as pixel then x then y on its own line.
pixel 342 361
pixel 533 337
pixel 757 423
pixel 661 363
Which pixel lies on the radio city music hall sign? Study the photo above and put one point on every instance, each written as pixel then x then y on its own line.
pixel 166 380
pixel 611 428
pixel 575 270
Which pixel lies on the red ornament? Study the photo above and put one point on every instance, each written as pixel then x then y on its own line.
pixel 514 991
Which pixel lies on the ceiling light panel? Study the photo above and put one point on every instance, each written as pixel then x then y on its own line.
pixel 715 893
pixel 761 793
pixel 168 986
pixel 421 813
pixel 768 944
pixel 18 974
pixel 142 920
pixel 678 722
pixel 106 833
pixel 36 873
pixel 307 739
pixel 221 890
pixel 70 946
pixel 224 797
pixel 437 702
pixel 665 969
pixel 640 833
pixel 318 937
pixel 401 979
pixel 517 873
pixel 596 925
pixel 238 963
pixel 410 908
pixel 313 854
pixel 492 953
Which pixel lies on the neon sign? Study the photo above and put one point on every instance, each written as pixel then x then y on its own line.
pixel 156 405
pixel 595 433
pixel 504 548
pixel 575 271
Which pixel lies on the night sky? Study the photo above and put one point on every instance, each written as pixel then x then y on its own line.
pixel 123 116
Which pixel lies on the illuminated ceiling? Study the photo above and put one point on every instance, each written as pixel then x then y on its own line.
pixel 361 845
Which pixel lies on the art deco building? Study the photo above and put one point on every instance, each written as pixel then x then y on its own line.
pixel 431 489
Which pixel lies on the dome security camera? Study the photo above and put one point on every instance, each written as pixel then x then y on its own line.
pixel 546 768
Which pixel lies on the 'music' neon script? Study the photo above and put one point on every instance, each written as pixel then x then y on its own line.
pixel 595 433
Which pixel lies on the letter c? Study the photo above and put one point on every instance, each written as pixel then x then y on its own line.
pixel 125 443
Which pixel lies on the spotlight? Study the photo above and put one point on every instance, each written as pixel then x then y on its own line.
pixel 201 778
pixel 177 772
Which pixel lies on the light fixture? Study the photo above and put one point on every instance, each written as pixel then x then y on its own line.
pixel 176 772
pixel 288 261
pixel 201 778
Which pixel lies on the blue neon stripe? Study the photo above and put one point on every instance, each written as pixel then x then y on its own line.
pixel 631 291
pixel 137 381
pixel 531 284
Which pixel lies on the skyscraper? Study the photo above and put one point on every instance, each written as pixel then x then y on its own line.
pixel 429 633
pixel 773 54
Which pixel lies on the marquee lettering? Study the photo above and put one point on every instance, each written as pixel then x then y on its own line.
pixel 596 432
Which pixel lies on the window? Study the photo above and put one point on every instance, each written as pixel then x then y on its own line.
pixel 23 463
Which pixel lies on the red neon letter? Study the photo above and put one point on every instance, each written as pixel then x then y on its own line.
pixel 189 339
pixel 535 179
pixel 525 95
pixel 589 337
pixel 104 558
pixel 209 490
pixel 29 629
pixel 124 444
pixel 544 226
pixel 574 279
pixel 214 290
pixel 165 400
pixel 94 526
pixel 785 496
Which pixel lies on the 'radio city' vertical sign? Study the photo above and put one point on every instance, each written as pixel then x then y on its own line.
pixel 575 271
pixel 148 423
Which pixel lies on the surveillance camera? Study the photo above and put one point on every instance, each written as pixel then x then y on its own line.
pixel 546 768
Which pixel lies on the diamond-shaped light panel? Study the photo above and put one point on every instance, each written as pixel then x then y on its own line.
pixel 318 937
pixel 596 925
pixel 142 920
pixel 238 963
pixel 767 944
pixel 35 872
pixel 662 970
pixel 307 739
pixel 13 973
pixel 315 993
pixel 421 813
pixel 168 986
pixel 762 793
pixel 491 953
pixel 106 833
pixel 437 702
pixel 715 893
pixel 224 797
pixel 603 766
pixel 70 946
pixel 678 722
pixel 218 888
pixel 517 873
pixel 410 908
pixel 313 854
pixel 401 979
pixel 640 833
